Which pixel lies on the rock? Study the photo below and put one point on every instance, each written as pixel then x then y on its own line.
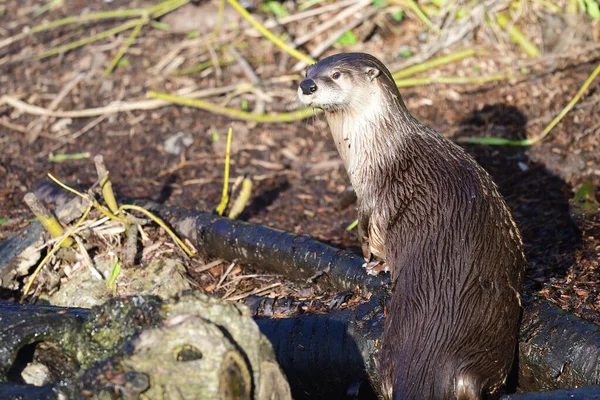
pixel 177 143
pixel 36 374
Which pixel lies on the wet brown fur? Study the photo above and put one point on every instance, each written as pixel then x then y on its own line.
pixel 448 238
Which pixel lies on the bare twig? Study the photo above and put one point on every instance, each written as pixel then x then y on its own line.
pixel 443 60
pixel 47 219
pixel 91 39
pixel 253 292
pixel 235 113
pixel 516 35
pixel 208 266
pixel 215 62
pixel 14 127
pixel 136 30
pixel 115 107
pixel 268 34
pixel 245 65
pixel 344 15
pixel 225 276
pixel 321 48
pixel 36 127
pixel 305 14
pixel 452 32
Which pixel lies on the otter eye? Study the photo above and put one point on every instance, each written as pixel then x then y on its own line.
pixel 336 75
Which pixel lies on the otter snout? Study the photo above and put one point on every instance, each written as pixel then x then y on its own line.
pixel 308 86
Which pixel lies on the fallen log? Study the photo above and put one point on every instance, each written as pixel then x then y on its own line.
pixel 556 349
pixel 297 257
pixel 584 393
pixel 328 356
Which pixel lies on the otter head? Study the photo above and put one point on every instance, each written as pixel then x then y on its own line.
pixel 363 108
pixel 344 82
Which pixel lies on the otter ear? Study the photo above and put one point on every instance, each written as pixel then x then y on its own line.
pixel 372 72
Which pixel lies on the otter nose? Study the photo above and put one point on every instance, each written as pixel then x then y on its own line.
pixel 308 86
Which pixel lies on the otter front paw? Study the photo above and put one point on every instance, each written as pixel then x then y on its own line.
pixel 375 267
pixel 366 250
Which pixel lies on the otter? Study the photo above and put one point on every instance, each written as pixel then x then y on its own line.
pixel 438 221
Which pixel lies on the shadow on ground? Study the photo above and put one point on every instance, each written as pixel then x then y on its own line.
pixel 538 199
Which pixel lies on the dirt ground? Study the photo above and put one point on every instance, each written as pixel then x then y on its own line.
pixel 298 179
